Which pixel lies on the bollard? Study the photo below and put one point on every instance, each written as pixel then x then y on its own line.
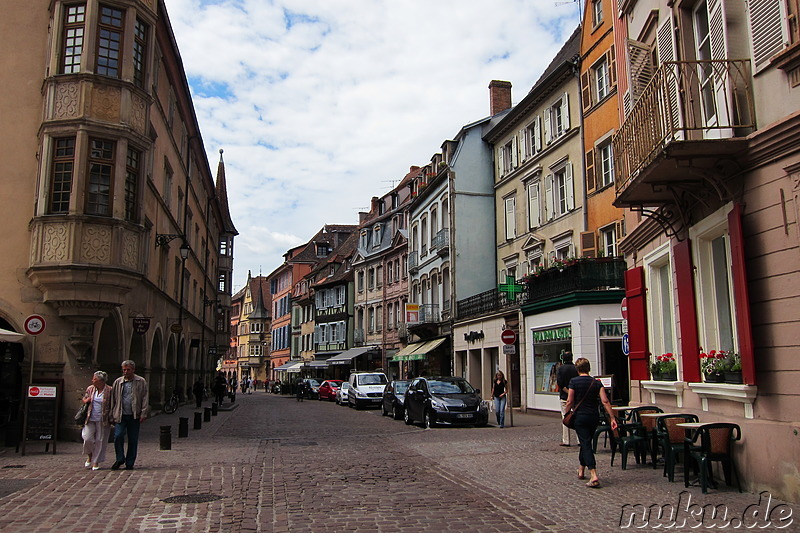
pixel 206 414
pixel 198 420
pixel 183 427
pixel 165 438
pixel 214 409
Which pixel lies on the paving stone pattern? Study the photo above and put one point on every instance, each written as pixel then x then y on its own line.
pixel 278 465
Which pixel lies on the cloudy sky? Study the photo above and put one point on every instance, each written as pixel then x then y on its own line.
pixel 321 104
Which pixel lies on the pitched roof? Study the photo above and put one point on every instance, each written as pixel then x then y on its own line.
pixel 222 197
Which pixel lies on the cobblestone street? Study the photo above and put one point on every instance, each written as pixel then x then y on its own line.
pixel 277 465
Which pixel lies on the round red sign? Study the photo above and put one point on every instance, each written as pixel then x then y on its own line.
pixel 508 337
pixel 34 391
pixel 34 324
pixel 624 308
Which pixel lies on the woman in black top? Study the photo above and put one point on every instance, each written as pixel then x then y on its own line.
pixel 499 390
pixel 588 392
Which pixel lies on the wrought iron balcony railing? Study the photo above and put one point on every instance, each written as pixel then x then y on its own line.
pixel 413 261
pixel 429 313
pixel 487 302
pixel 684 101
pixel 441 241
pixel 580 275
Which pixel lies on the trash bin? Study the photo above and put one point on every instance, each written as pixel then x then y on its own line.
pixel 165 438
pixel 183 427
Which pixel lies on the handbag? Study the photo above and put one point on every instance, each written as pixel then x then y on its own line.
pixel 80 416
pixel 569 418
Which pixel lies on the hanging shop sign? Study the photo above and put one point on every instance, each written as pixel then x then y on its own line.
pixel 610 329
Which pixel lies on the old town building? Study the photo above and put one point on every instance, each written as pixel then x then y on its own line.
pixel 116 233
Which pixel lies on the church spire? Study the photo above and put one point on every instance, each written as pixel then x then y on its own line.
pixel 222 197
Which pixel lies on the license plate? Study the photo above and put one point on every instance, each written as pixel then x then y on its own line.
pixel 465 415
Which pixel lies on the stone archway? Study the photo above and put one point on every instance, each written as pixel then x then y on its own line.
pixel 110 352
pixel 171 366
pixel 157 371
pixel 12 355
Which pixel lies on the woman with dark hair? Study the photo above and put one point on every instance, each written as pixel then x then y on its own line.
pixel 585 393
pixel 500 397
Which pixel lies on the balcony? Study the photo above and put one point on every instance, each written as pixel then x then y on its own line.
pixel 429 313
pixel 441 242
pixel 359 336
pixel 689 119
pixel 402 331
pixel 580 276
pixel 486 303
pixel 413 262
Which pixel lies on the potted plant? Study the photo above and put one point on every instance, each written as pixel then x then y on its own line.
pixel 664 368
pixel 733 368
pixel 712 364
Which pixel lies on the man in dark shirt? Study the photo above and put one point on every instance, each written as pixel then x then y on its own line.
pixel 566 372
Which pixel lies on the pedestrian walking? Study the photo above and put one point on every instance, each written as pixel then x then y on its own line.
pixel 129 408
pixel 220 387
pixel 300 389
pixel 500 397
pixel 97 427
pixel 566 371
pixel 587 392
pixel 197 390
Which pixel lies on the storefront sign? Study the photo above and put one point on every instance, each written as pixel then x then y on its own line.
pixel 412 313
pixel 141 325
pixel 550 335
pixel 610 329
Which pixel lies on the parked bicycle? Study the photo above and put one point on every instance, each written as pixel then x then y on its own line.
pixel 172 404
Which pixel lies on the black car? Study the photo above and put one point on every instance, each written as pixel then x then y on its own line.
pixel 393 398
pixel 445 400
pixel 311 389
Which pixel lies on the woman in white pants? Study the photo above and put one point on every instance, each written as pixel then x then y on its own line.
pixel 97 428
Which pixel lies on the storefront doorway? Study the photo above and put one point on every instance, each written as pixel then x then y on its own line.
pixel 615 362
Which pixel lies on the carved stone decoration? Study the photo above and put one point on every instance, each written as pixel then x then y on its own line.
pixel 138 115
pixel 96 244
pixel 105 103
pixel 130 251
pixel 35 247
pixel 55 245
pixel 67 101
pixel 795 174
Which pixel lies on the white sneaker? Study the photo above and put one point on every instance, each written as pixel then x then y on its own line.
pixel 96 467
pixel 87 464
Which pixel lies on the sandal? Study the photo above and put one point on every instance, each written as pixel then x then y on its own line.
pixel 580 476
pixel 594 484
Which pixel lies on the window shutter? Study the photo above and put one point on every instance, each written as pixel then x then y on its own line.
pixel 537 135
pixel 586 92
pixel 640 72
pixel 638 356
pixel 740 295
pixel 588 244
pixel 514 153
pixel 533 205
pixel 665 41
pixel 548 134
pixel 767 30
pixel 316 334
pixel 548 197
pixel 591 182
pixel 687 315
pixel 500 165
pixel 569 187
pixel 522 142
pixel 626 102
pixel 565 111
pixel 719 51
pixel 510 222
pixel 612 67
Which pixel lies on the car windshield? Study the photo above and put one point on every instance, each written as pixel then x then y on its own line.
pixel 400 387
pixel 313 382
pixel 345 385
pixel 372 379
pixel 450 387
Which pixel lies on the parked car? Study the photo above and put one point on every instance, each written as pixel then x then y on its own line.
pixel 366 388
pixel 444 400
pixel 393 397
pixel 327 391
pixel 341 394
pixel 311 388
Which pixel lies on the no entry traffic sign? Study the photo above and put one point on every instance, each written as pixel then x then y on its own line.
pixel 508 337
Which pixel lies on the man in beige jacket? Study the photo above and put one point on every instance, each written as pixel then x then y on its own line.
pixel 129 408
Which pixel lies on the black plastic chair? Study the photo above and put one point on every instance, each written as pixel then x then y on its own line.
pixel 603 428
pixel 716 445
pixel 670 439
pixel 633 435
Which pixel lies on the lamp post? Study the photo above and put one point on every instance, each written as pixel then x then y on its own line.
pixel 184 251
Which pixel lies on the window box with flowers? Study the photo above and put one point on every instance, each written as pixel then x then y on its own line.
pixel 713 365
pixel 664 368
pixel 733 368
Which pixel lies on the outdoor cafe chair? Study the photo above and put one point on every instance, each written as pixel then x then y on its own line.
pixel 670 439
pixel 716 445
pixel 603 428
pixel 633 435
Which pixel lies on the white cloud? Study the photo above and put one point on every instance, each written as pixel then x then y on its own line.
pixel 319 104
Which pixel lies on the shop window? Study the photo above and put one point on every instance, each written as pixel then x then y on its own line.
pixel 549 345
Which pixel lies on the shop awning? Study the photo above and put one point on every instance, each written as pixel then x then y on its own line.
pixel 290 366
pixel 10 336
pixel 317 363
pixel 345 358
pixel 418 350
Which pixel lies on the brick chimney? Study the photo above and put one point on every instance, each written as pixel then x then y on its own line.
pixel 499 96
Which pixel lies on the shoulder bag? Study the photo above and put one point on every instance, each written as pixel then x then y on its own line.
pixel 569 418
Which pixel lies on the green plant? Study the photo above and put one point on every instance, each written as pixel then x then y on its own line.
pixel 663 364
pixel 713 362
pixel 734 361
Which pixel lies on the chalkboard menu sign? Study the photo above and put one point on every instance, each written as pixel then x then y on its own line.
pixel 41 415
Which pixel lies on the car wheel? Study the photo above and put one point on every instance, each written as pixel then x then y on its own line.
pixel 396 413
pixel 429 420
pixel 383 410
pixel 407 418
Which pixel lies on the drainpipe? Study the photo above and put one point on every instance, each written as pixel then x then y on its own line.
pixel 576 71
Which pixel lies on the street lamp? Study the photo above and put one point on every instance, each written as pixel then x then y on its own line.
pixel 163 239
pixel 184 251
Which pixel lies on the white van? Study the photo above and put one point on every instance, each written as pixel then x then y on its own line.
pixel 366 388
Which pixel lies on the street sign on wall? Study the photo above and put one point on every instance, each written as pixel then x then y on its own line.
pixel 508 337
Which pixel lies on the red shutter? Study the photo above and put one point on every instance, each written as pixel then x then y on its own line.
pixel 687 310
pixel 637 323
pixel 741 299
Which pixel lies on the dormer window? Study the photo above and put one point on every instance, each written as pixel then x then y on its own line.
pixel 376 236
